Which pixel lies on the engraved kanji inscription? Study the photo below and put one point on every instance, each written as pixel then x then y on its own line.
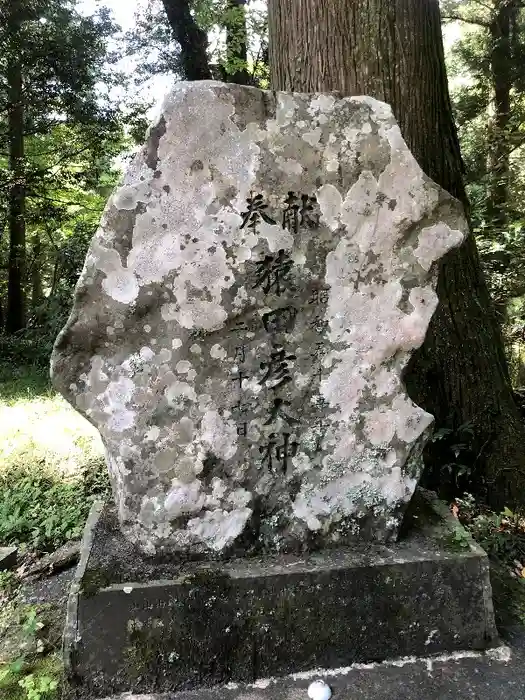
pixel 318 296
pixel 280 409
pixel 249 325
pixel 281 320
pixel 291 216
pixel 300 210
pixel 256 210
pixel 321 424
pixel 240 377
pixel 240 353
pixel 318 351
pixel 320 325
pixel 268 452
pixel 275 455
pixel 309 211
pixel 321 427
pixel 239 412
pixel 272 272
pixel 278 369
pixel 321 403
pixel 317 355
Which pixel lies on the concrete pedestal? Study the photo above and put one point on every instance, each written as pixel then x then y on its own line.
pixel 150 625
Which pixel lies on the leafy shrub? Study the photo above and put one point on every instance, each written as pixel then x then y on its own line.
pixel 34 673
pixel 502 535
pixel 42 510
pixel 8 586
pixel 450 456
pixel 26 349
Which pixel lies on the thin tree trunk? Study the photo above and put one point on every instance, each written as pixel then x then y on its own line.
pixel 393 50
pixel 237 43
pixel 37 293
pixel 192 39
pixel 15 317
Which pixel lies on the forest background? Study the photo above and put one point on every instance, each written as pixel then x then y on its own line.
pixel 77 91
pixel 79 81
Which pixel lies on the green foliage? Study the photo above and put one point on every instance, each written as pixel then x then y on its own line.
pixel 41 506
pixel 488 531
pixel 502 536
pixel 26 349
pixel 63 56
pixel 66 197
pixel 450 459
pixel 486 59
pixel 73 129
pixel 38 687
pixel 7 583
pixel 34 672
pixel 152 46
pixel 46 490
pixel 44 500
pixel 43 510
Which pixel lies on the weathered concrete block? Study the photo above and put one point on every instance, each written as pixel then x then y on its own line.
pixel 247 307
pixel 151 625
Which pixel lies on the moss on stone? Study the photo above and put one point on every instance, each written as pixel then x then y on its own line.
pixel 207 578
pixel 141 652
pixel 93 580
pixel 456 541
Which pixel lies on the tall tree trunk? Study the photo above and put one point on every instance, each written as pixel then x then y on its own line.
pixel 236 43
pixel 499 137
pixel 191 38
pixel 499 143
pixel 393 50
pixel 15 316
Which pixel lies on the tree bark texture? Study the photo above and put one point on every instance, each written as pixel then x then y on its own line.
pixel 192 39
pixel 15 315
pixel 499 141
pixel 393 51
pixel 37 291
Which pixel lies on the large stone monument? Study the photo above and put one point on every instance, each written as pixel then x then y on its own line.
pixel 257 286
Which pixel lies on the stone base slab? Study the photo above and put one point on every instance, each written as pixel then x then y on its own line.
pixel 157 625
pixel 493 675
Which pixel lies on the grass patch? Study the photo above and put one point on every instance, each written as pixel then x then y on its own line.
pixel 40 679
pixel 38 428
pixel 23 384
pixel 51 469
pixel 51 463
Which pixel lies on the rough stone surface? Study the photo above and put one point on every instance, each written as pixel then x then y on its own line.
pixel 143 625
pixel 246 310
pixel 8 558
